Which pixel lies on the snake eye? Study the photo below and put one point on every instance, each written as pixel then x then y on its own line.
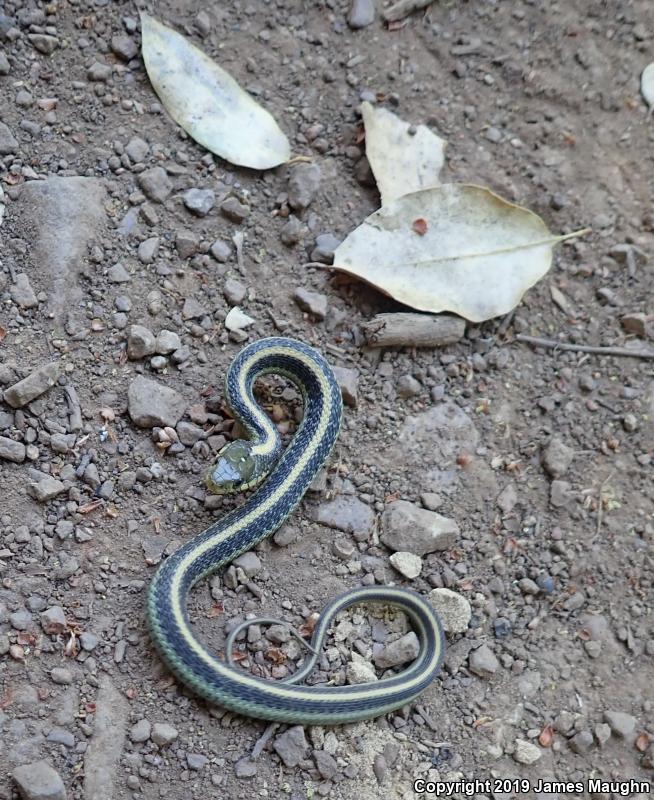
pixel 233 469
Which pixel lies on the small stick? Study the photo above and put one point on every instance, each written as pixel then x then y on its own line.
pixel 263 740
pixel 74 408
pixel 238 238
pixel 584 348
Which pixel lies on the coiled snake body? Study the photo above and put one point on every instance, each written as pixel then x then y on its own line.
pixel 243 464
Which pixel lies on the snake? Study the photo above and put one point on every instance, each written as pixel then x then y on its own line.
pixel 280 478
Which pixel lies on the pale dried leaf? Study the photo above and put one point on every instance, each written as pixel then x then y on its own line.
pixel 236 320
pixel 477 258
pixel 207 102
pixel 401 161
pixel 647 85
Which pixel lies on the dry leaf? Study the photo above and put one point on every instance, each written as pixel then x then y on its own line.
pixel 420 226
pixel 546 736
pixel 647 85
pixel 642 741
pixel 403 157
pixel 207 102
pixel 477 259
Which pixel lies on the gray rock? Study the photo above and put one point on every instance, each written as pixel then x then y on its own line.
pixel 199 201
pixel 4 63
pixel 348 381
pixel 291 232
pixel 324 248
pixel 61 736
pixel 156 184
pixel 560 493
pixel 249 562
pixel 8 144
pixel 33 386
pixel 234 210
pixel 346 513
pixel 291 746
pixel 140 732
pixel 360 671
pixel 483 662
pixel 106 745
pixel 526 752
pixel 148 250
pixel 407 564
pixel 46 489
pixel 581 742
pixel 53 621
pixel 234 291
pixel 22 293
pixel 43 43
pixel 621 724
pixel 98 72
pixel 408 386
pixel 303 185
pixel 163 734
pixel 196 761
pixel 453 609
pixel 167 342
pixel 20 620
pixel 189 433
pixel 152 404
pixel 398 652
pixel 602 733
pixel 362 13
pixel 140 342
pixel 412 529
pixel 221 251
pixel 61 676
pixel 124 47
pixel 118 274
pixel 325 764
pixel 11 450
pixel 557 458
pixel 193 309
pixel 187 243
pixel 39 781
pixel 312 302
pixel 245 768
pixel 89 641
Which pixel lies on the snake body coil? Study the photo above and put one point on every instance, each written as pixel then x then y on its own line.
pixel 244 464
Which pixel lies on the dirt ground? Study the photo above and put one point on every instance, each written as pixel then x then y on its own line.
pixel 542 458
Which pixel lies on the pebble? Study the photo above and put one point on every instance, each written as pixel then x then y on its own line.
pixel 245 768
pixel 148 250
pixel 61 676
pixel 167 342
pixel 22 293
pixel 221 251
pixel 33 386
pixel 46 489
pixel 398 652
pixel 11 450
pixel 602 733
pixel 312 302
pixel 8 143
pixel 235 291
pixel 196 761
pixel 141 342
pixel 187 243
pixel 291 746
pixel 163 733
pixel 409 528
pixel 360 671
pixel 125 48
pixel 526 752
pixel 303 185
pixel 151 404
pixel 291 232
pixel 557 458
pixel 43 43
pixel 346 513
pixel 234 210
pixel 348 382
pixel 621 724
pixel 53 621
pixel 325 764
pixel 199 201
pixel 483 662
pixel 39 781
pixel 453 609
pixel 140 732
pixel 5 67
pixel 361 14
pixel 325 245
pixel 118 274
pixel 237 320
pixel 155 183
pixel 407 564
pixel 581 742
pixel 98 72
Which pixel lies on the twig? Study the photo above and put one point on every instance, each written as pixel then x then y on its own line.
pixel 263 740
pixel 599 506
pixel 584 348
pixel 238 239
pixel 74 408
pixel 403 8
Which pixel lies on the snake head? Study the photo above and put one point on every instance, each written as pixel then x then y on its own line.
pixel 234 469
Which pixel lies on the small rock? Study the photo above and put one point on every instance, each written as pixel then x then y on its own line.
pixel 193 309
pixel 407 564
pixel 325 764
pixel 398 652
pixel 408 386
pixel 98 72
pixel 640 325
pixel 453 609
pixel 348 381
pixel 621 724
pixel 483 662
pixel 140 732
pixel 118 274
pixel 187 243
pixel 152 404
pixel 312 302
pixel 46 489
pixel 291 746
pixel 22 293
pixel 4 63
pixel 163 734
pixel 43 43
pixel 61 676
pixel 199 201
pixel 291 232
pixel 362 14
pixel 581 742
pixel 602 733
pixel 245 768
pixel 346 513
pixel 124 47
pixel 167 342
pixel 360 671
pixel 39 781
pixel 196 761
pixel 140 342
pixel 33 386
pixel 156 184
pixel 557 458
pixel 526 752
pixel 303 185
pixel 234 210
pixel 324 248
pixel 148 250
pixel 411 529
pixel 234 291
pixel 220 251
pixel 53 621
pixel 11 450
pixel 237 320
pixel 560 493
pixel 8 143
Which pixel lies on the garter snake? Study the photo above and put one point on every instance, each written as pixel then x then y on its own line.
pixel 242 464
